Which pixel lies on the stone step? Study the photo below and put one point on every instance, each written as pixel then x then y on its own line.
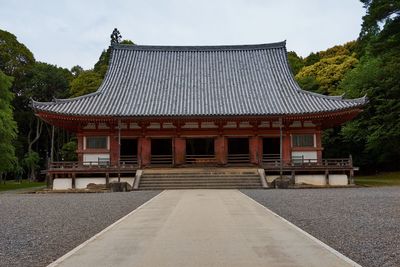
pixel 199 187
pixel 227 178
pixel 197 174
pixel 252 182
pixel 200 177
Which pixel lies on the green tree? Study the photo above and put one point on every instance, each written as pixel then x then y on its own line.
pixel 328 73
pixel 296 63
pixel 68 150
pixel 15 61
pixel 46 81
pixel 374 136
pixel 8 127
pixel 76 70
pixel 87 82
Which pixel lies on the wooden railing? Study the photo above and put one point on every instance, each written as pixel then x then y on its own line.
pixel 75 164
pixel 161 159
pixel 271 159
pixel 238 158
pixel 128 161
pixel 201 159
pixel 300 162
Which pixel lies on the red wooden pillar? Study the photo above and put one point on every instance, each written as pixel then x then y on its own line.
pixel 114 150
pixel 79 150
pixel 318 145
pixel 255 143
pixel 144 155
pixel 286 147
pixel 179 151
pixel 221 149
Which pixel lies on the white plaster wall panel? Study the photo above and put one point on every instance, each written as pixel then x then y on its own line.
pixel 310 179
pixel 129 180
pixel 230 124
pixel 81 183
pixel 305 154
pixel 338 179
pixel 103 125
pixel 154 125
pixel 134 125
pixel 168 125
pixel 295 124
pixel 62 183
pixel 309 124
pixel 94 158
pixel 207 125
pixel 264 124
pixel 245 124
pixel 190 125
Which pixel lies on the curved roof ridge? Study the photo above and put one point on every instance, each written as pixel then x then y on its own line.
pixel 363 100
pixel 335 97
pixel 97 92
pixel 192 48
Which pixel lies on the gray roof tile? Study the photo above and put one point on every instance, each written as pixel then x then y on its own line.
pixel 198 81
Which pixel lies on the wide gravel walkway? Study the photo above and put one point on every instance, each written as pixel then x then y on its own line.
pixel 361 223
pixel 37 229
pixel 203 228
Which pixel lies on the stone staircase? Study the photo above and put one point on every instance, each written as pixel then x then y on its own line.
pixel 199 178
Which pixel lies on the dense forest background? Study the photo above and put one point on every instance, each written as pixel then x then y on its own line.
pixel 368 66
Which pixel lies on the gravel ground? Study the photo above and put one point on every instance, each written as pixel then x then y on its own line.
pixel 37 229
pixel 361 223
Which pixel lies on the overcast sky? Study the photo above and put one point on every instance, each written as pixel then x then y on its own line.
pixel 74 32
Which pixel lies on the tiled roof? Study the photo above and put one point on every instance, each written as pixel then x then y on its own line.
pixel 198 81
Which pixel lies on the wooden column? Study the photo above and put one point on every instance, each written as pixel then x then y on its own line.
pixel 80 148
pixel 144 144
pixel 319 145
pixel 254 149
pixel 286 147
pixel 221 149
pixel 114 150
pixel 179 150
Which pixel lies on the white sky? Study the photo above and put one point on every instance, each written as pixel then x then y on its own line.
pixel 74 32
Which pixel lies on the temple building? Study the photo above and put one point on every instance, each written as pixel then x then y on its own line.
pixel 175 108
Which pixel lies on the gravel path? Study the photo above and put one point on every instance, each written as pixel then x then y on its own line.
pixel 361 223
pixel 37 229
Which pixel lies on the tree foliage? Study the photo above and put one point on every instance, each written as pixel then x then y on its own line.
pixel 327 73
pixel 87 82
pixel 8 127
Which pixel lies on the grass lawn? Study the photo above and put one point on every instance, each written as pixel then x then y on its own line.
pixel 12 185
pixel 382 179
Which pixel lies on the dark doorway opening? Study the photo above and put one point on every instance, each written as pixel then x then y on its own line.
pixel 161 151
pixel 271 148
pixel 200 146
pixel 200 151
pixel 238 150
pixel 128 151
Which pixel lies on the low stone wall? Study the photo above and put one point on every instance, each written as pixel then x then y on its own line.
pixel 338 179
pixel 81 183
pixel 316 179
pixel 62 183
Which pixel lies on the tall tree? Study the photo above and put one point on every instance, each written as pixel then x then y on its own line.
pixel 376 133
pixel 87 82
pixel 328 70
pixel 8 128
pixel 15 60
